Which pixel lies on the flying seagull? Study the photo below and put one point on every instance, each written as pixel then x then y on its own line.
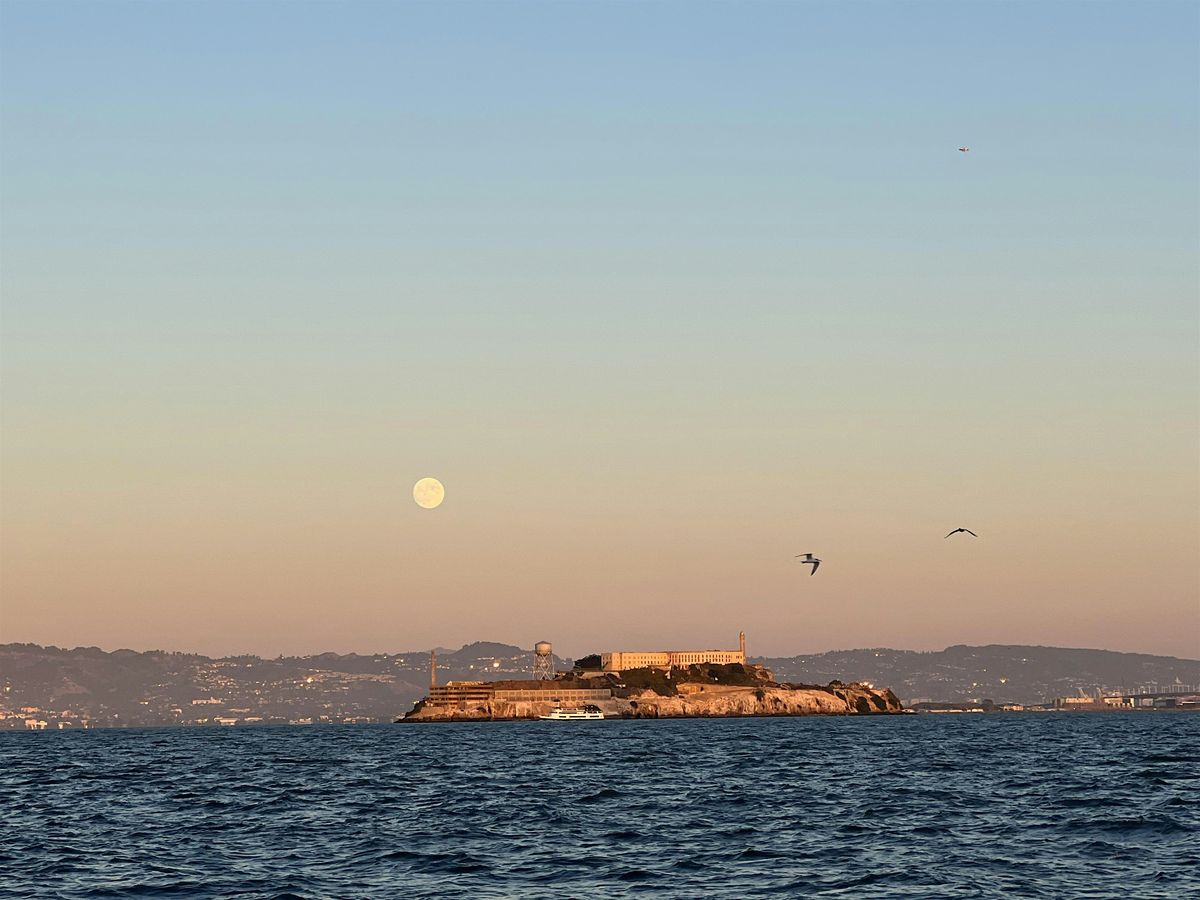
pixel 809 559
pixel 967 530
pixel 964 149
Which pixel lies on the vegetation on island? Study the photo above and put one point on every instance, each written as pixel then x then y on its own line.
pixel 666 682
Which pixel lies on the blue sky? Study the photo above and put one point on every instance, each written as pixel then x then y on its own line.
pixel 268 262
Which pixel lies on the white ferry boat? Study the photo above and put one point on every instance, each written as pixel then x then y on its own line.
pixel 572 713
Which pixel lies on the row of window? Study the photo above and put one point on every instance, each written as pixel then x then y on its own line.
pixel 688 659
pixel 620 660
pixel 554 696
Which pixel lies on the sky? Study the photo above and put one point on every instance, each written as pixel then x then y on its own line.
pixel 663 293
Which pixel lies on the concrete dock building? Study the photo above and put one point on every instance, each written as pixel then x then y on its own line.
pixel 536 691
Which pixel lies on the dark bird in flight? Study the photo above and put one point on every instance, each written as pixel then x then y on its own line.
pixel 967 530
pixel 964 149
pixel 809 559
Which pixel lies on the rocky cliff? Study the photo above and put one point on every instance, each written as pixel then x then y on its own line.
pixel 692 701
pixel 779 700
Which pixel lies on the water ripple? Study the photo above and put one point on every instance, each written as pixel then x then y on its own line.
pixel 976 806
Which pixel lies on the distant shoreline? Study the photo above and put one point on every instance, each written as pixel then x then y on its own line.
pixel 91 688
pixel 258 726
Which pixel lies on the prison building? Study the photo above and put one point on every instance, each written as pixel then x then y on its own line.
pixel 619 660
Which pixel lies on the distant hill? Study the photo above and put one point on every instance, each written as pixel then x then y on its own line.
pixel 126 687
pixel 1015 673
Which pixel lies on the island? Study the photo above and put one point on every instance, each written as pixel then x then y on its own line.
pixel 696 690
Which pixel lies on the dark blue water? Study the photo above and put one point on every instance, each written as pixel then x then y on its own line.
pixel 1070 805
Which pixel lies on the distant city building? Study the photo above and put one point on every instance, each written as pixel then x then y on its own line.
pixel 620 660
pixel 1078 703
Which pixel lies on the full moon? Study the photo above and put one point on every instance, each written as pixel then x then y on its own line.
pixel 429 493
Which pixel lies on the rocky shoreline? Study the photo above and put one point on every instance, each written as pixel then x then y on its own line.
pixel 690 701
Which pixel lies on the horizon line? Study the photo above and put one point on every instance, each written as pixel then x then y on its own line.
pixel 441 649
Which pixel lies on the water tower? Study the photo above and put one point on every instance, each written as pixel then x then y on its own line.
pixel 543 661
